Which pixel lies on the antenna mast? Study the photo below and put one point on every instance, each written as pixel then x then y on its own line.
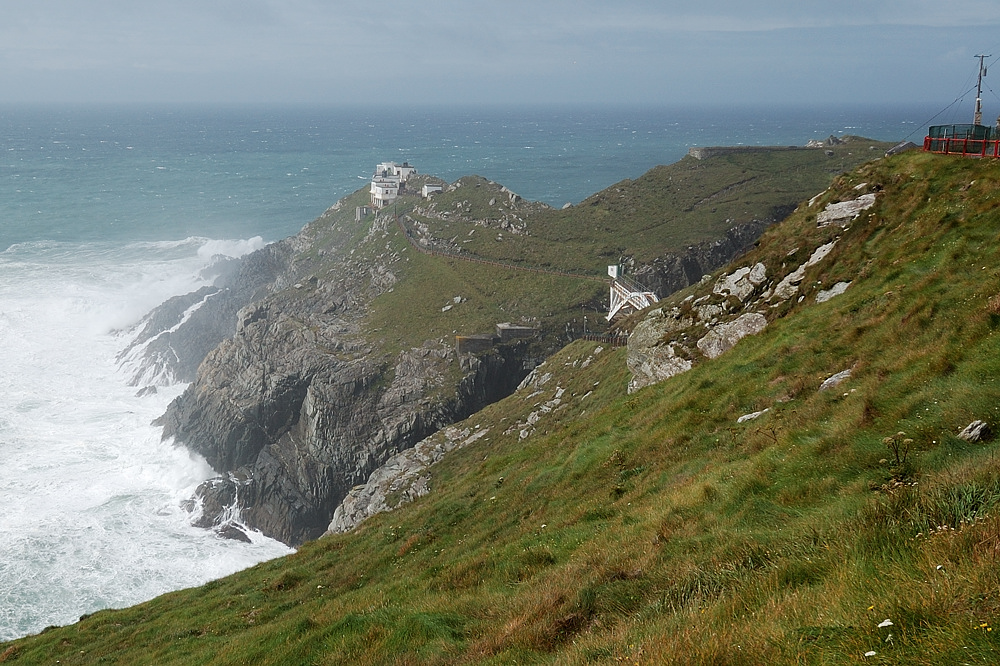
pixel 979 90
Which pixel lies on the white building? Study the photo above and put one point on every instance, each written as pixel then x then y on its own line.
pixel 428 190
pixel 387 182
pixel 384 190
pixel 402 171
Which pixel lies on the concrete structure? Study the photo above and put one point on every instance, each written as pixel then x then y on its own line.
pixel 428 190
pixel 507 331
pixel 704 153
pixel 471 344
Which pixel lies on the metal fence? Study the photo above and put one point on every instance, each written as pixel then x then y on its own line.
pixel 969 140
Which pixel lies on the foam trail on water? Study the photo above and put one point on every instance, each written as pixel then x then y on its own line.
pixel 92 497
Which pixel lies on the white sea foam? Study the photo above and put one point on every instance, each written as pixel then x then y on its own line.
pixel 91 497
pixel 238 248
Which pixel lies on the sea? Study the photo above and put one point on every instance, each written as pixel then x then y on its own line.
pixel 105 212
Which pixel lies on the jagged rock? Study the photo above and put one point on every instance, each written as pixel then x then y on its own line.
pixel 233 532
pixel 172 340
pixel 296 404
pixel 724 337
pixel 673 272
pixel 401 479
pixel 742 282
pixel 977 431
pixel 844 212
pixel 835 380
pixel 789 285
pixel 836 290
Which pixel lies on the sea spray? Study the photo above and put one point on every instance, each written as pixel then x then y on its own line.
pixel 92 497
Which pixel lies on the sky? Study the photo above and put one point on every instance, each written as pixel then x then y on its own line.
pixel 632 52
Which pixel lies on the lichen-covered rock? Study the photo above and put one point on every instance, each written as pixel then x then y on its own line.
pixel 836 380
pixel 651 365
pixel 977 431
pixel 724 337
pixel 670 340
pixel 742 282
pixel 789 285
pixel 844 212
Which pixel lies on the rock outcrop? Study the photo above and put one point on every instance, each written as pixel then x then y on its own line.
pixel 296 403
pixel 172 340
pixel 673 272
pixel 670 340
pixel 401 479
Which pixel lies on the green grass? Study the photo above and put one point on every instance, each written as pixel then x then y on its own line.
pixel 652 528
pixel 665 210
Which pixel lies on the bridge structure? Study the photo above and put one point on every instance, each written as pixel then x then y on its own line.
pixel 627 295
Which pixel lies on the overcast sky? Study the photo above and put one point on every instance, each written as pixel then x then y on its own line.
pixel 505 51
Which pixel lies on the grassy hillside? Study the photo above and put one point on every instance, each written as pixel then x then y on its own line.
pixel 654 528
pixel 664 210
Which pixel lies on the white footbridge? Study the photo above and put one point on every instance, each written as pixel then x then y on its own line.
pixel 626 294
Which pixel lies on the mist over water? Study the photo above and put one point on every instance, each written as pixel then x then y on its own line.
pixel 105 213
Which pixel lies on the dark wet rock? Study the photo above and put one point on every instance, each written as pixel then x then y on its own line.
pixel 233 532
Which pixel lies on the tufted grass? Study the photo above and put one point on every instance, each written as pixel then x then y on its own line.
pixel 652 528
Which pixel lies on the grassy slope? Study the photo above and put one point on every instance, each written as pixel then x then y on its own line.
pixel 665 210
pixel 652 528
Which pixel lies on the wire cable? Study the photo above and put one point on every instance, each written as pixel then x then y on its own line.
pixel 931 119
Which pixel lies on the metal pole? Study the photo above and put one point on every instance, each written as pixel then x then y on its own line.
pixel 978 119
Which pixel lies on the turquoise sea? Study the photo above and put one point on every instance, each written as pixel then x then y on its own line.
pixel 106 212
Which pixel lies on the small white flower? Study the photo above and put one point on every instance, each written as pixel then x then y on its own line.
pixel 885 623
pixel 871 653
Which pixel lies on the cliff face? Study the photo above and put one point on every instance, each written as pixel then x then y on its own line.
pixel 295 402
pixel 676 270
pixel 316 359
pixel 175 337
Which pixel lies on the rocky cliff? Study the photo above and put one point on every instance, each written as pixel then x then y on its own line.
pixel 675 270
pixel 318 358
pixel 293 402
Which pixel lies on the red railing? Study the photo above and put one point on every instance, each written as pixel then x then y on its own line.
pixel 965 147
